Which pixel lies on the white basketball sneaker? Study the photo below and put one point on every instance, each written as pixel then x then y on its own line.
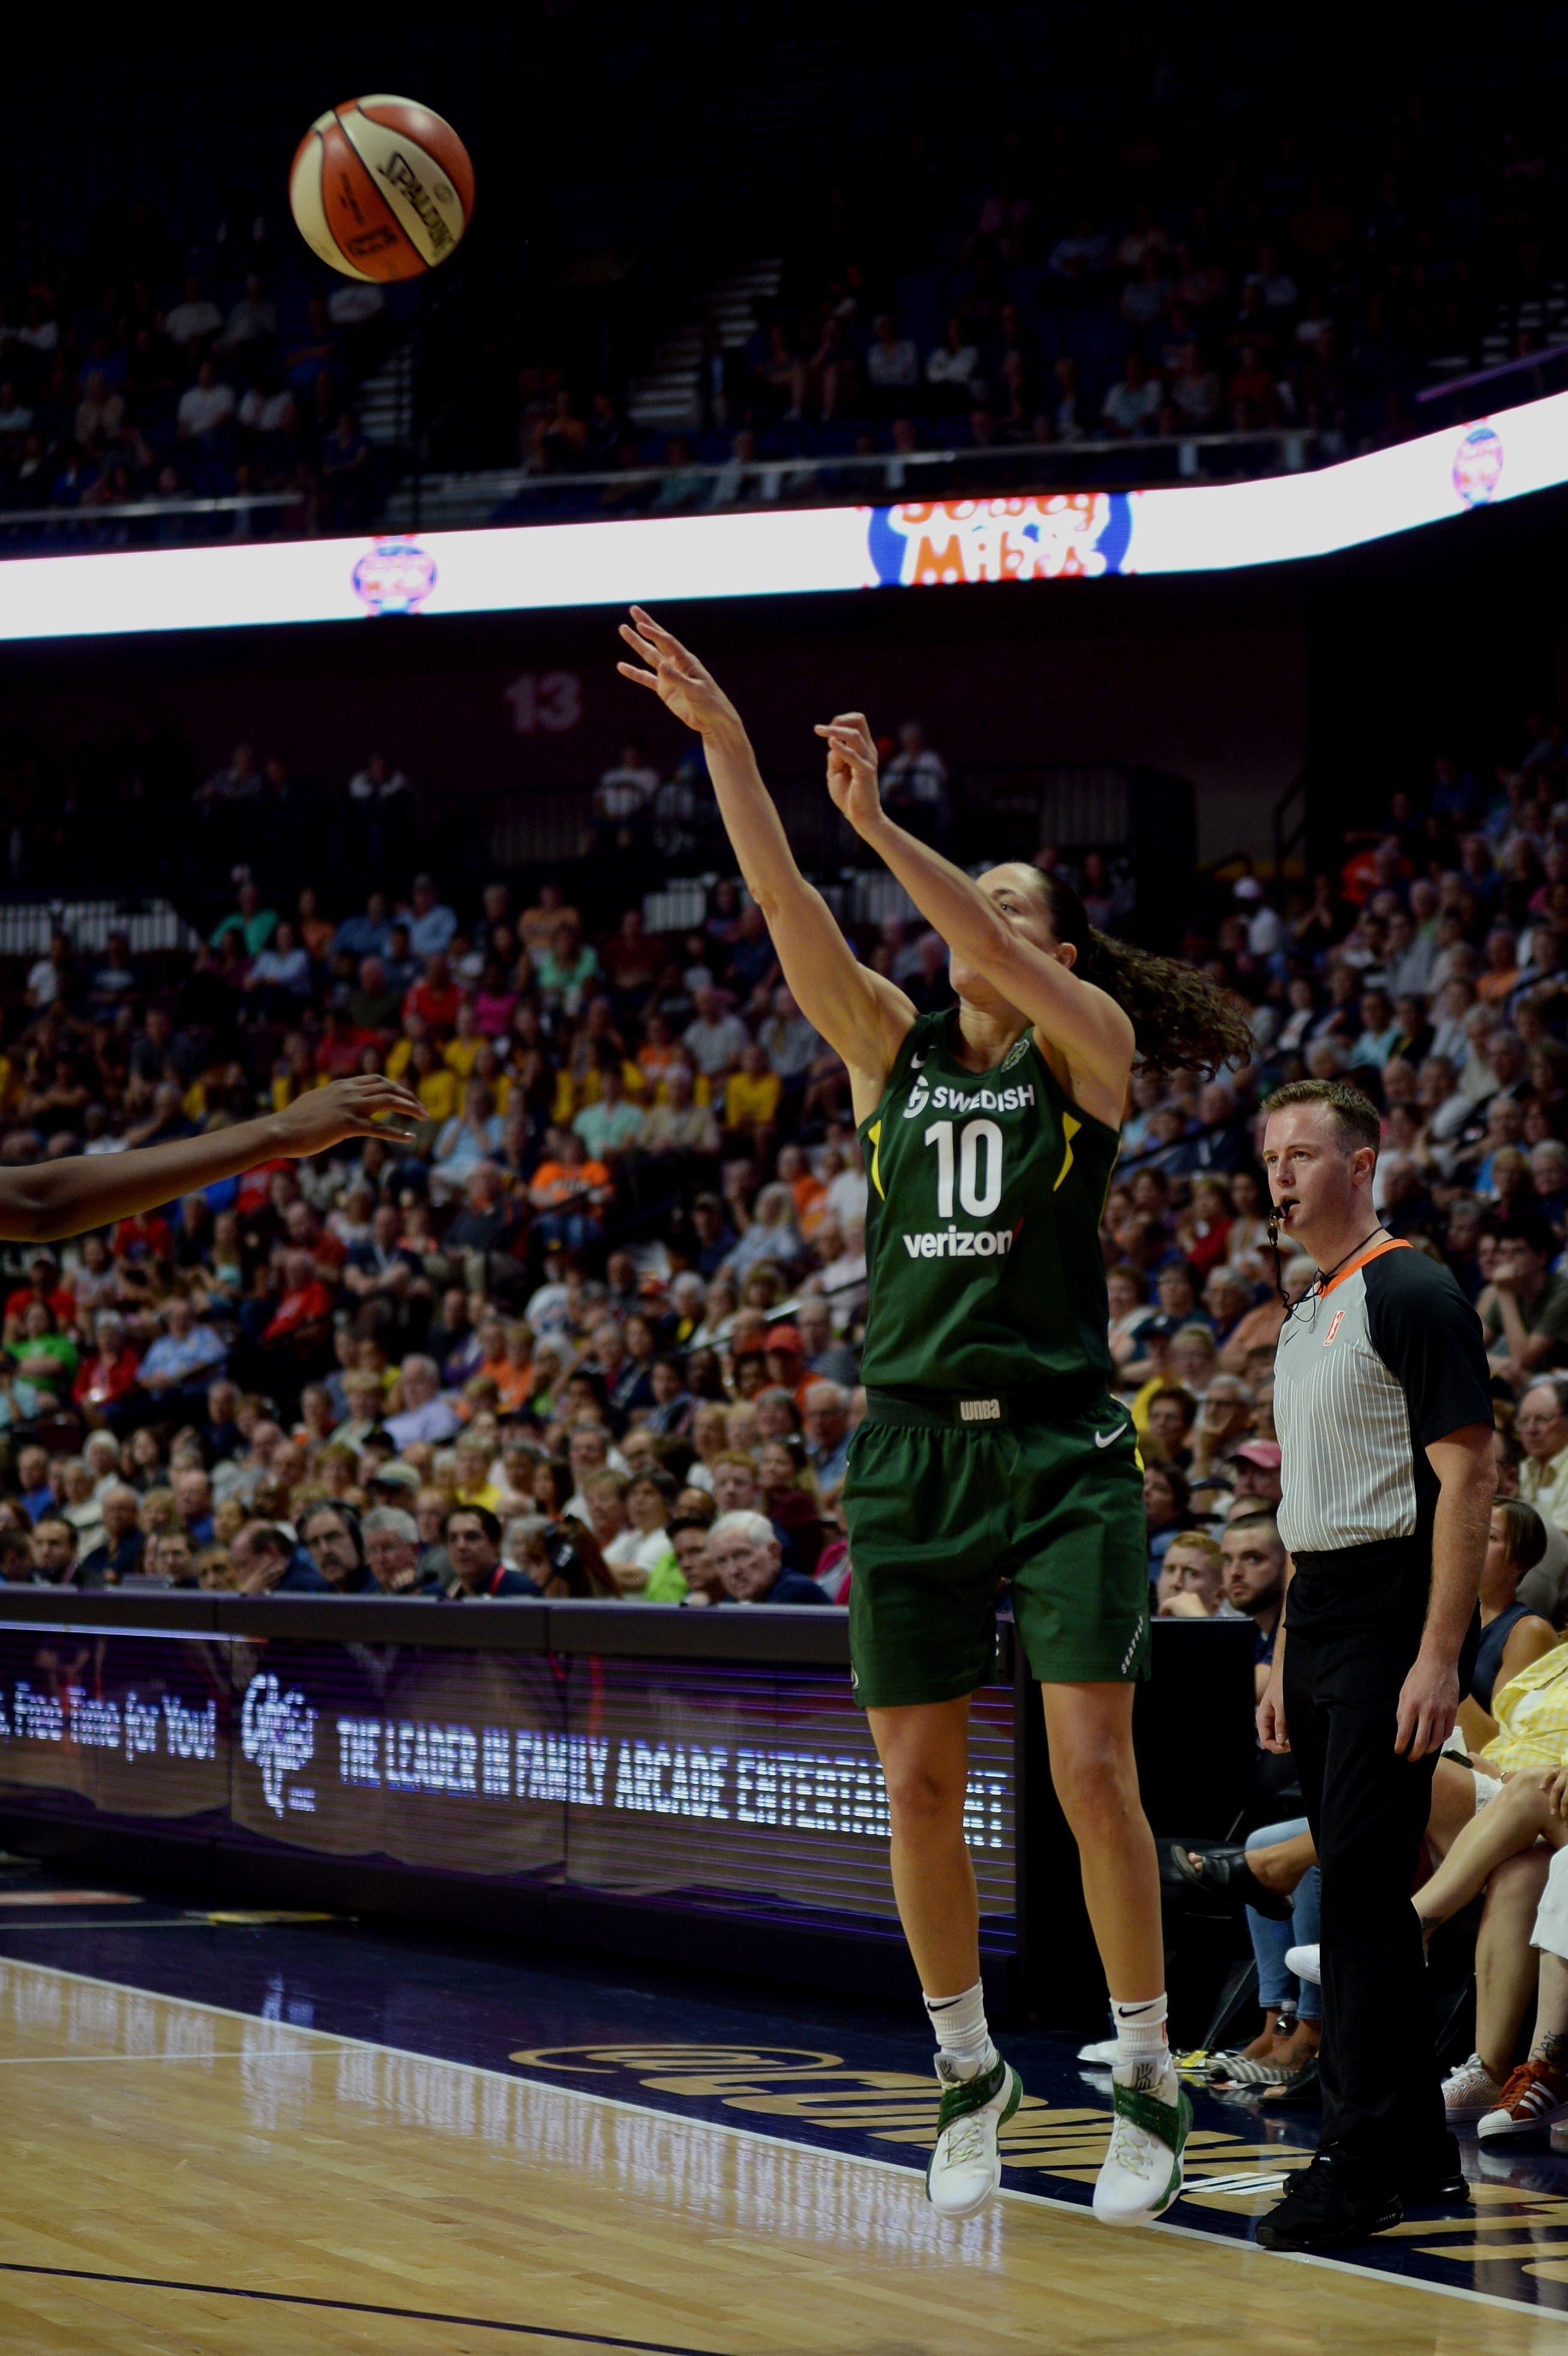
pixel 1469 2092
pixel 1305 1963
pixel 965 2168
pixel 1141 2174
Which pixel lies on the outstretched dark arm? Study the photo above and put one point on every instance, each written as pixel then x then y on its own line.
pixel 64 1198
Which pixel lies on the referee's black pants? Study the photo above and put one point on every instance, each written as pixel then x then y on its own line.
pixel 1354 1625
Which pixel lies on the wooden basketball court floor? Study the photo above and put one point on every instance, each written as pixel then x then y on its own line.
pixel 185 2175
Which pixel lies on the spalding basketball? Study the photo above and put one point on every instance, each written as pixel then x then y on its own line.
pixel 382 189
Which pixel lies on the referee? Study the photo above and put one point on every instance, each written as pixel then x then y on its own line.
pixel 1382 1402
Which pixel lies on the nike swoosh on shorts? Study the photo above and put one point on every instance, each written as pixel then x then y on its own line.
pixel 1104 1439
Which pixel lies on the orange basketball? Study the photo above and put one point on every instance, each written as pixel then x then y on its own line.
pixel 382 189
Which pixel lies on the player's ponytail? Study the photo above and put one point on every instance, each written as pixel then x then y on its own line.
pixel 1182 1022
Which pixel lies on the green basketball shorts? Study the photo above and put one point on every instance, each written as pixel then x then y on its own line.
pixel 939 1515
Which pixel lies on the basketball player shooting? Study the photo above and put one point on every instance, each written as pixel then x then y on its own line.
pixel 66 1197
pixel 991 1445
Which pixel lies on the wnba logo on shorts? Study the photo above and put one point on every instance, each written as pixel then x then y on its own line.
pixel 1334 1323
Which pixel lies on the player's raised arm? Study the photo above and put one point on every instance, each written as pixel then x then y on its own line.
pixel 65 1197
pixel 862 1016
pixel 1085 1024
pixel 1091 999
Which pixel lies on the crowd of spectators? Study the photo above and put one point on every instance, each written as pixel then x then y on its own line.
pixel 1179 251
pixel 1429 970
pixel 1232 271
pixel 140 379
pixel 594 1333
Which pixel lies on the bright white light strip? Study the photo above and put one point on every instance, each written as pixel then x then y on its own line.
pixel 1209 528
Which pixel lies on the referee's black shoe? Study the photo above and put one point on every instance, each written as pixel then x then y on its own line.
pixel 1335 2203
pixel 1436 2182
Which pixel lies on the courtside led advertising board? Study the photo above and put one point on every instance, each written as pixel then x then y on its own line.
pixel 1081 535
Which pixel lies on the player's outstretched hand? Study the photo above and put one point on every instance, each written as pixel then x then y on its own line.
pixel 852 769
pixel 369 1106
pixel 675 676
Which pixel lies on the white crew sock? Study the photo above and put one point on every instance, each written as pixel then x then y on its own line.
pixel 1142 2047
pixel 959 2025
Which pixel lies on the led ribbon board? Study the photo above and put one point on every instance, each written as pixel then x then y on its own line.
pixel 743 1789
pixel 1080 535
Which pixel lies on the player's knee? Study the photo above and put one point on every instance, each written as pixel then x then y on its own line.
pixel 920 1798
pixel 1096 1783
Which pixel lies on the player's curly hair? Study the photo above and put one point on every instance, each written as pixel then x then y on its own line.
pixel 1182 1022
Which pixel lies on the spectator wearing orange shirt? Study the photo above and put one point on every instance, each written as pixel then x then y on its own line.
pixel 811 1196
pixel 1498 983
pixel 570 1191
pixel 512 1372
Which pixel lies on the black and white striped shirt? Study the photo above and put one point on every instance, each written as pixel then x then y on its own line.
pixel 1370 1371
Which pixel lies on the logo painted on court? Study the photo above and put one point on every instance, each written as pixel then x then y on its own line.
pixel 277 1734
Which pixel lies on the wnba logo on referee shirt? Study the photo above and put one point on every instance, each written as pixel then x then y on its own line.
pixel 1334 1323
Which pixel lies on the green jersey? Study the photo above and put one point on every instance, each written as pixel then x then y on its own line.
pixel 982 1224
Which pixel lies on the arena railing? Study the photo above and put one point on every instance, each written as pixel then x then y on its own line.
pixel 27 925
pixel 423 502
pixel 144 523
pixel 1105 462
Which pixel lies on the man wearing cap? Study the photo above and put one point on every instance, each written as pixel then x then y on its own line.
pixel 395 1483
pixel 786 1356
pixel 1257 1470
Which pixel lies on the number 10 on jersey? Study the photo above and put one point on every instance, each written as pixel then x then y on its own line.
pixel 978 1163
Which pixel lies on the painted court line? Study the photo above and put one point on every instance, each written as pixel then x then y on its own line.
pixel 358 2307
pixel 57 2060
pixel 1250 2252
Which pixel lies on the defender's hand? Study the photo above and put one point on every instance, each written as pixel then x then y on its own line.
pixel 368 1106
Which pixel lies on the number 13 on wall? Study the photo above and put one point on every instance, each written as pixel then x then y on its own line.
pixel 979 1150
pixel 547 700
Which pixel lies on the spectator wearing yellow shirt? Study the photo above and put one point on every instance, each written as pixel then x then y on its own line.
pixel 471 1482
pixel 751 1100
pixel 464 1047
pixel 400 1055
pixel 433 1083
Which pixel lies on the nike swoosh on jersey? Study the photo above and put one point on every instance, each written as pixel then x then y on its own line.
pixel 1104 1439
